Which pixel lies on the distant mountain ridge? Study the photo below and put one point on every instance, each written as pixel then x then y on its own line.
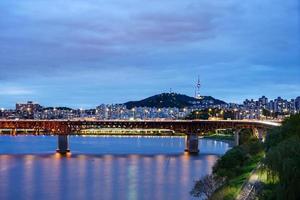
pixel 173 100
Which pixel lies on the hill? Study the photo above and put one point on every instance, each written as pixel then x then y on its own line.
pixel 173 100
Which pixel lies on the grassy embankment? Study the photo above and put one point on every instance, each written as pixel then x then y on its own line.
pixel 279 176
pixel 232 169
pixel 233 186
pixel 269 185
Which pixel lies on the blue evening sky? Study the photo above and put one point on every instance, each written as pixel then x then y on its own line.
pixel 81 53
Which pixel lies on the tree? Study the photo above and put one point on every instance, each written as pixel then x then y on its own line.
pixel 198 114
pixel 283 157
pixel 254 146
pixel 205 187
pixel 284 161
pixel 266 112
pixel 246 135
pixel 229 164
pixel 228 115
pixel 211 112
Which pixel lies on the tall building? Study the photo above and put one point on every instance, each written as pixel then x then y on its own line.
pixel 27 110
pixel 297 103
pixel 263 102
pixel 249 104
pixel 280 105
pixel 271 105
pixel 292 106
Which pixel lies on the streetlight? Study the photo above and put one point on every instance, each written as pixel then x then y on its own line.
pixel 133 112
pixel 146 113
pixel 197 113
pixel 235 114
pixel 121 114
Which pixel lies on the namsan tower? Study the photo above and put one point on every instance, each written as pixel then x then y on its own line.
pixel 197 89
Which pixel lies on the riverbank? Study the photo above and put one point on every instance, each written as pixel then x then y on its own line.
pixel 231 170
pixel 233 186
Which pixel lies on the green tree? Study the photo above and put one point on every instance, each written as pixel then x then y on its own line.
pixel 246 135
pixel 228 165
pixel 266 112
pixel 228 115
pixel 283 158
pixel 206 186
pixel 198 114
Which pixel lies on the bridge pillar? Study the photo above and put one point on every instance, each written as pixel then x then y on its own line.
pixel 63 144
pixel 191 143
pixel 237 137
pixel 13 132
pixel 37 131
pixel 258 132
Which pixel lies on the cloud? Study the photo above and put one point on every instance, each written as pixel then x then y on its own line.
pixel 15 91
pixel 115 50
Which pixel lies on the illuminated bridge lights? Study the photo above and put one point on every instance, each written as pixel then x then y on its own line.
pixel 192 128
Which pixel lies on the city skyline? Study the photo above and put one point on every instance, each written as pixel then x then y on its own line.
pixel 139 99
pixel 83 53
pixel 13 106
pixel 164 106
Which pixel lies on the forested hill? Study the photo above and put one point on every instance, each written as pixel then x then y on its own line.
pixel 173 100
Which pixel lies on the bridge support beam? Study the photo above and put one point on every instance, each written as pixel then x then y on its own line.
pixel 191 143
pixel 37 131
pixel 13 132
pixel 258 132
pixel 237 137
pixel 261 134
pixel 62 144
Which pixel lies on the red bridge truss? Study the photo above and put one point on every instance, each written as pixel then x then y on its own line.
pixel 62 127
pixel 192 128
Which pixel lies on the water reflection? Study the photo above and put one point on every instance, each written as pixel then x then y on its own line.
pixel 128 172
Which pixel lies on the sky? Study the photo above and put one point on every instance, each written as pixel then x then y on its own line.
pixel 81 53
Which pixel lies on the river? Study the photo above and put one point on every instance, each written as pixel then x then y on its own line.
pixel 103 167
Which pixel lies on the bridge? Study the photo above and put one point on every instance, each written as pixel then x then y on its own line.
pixel 192 128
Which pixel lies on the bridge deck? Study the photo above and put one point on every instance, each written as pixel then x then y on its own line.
pixel 184 126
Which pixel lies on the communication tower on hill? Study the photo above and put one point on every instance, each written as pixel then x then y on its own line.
pixel 197 89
